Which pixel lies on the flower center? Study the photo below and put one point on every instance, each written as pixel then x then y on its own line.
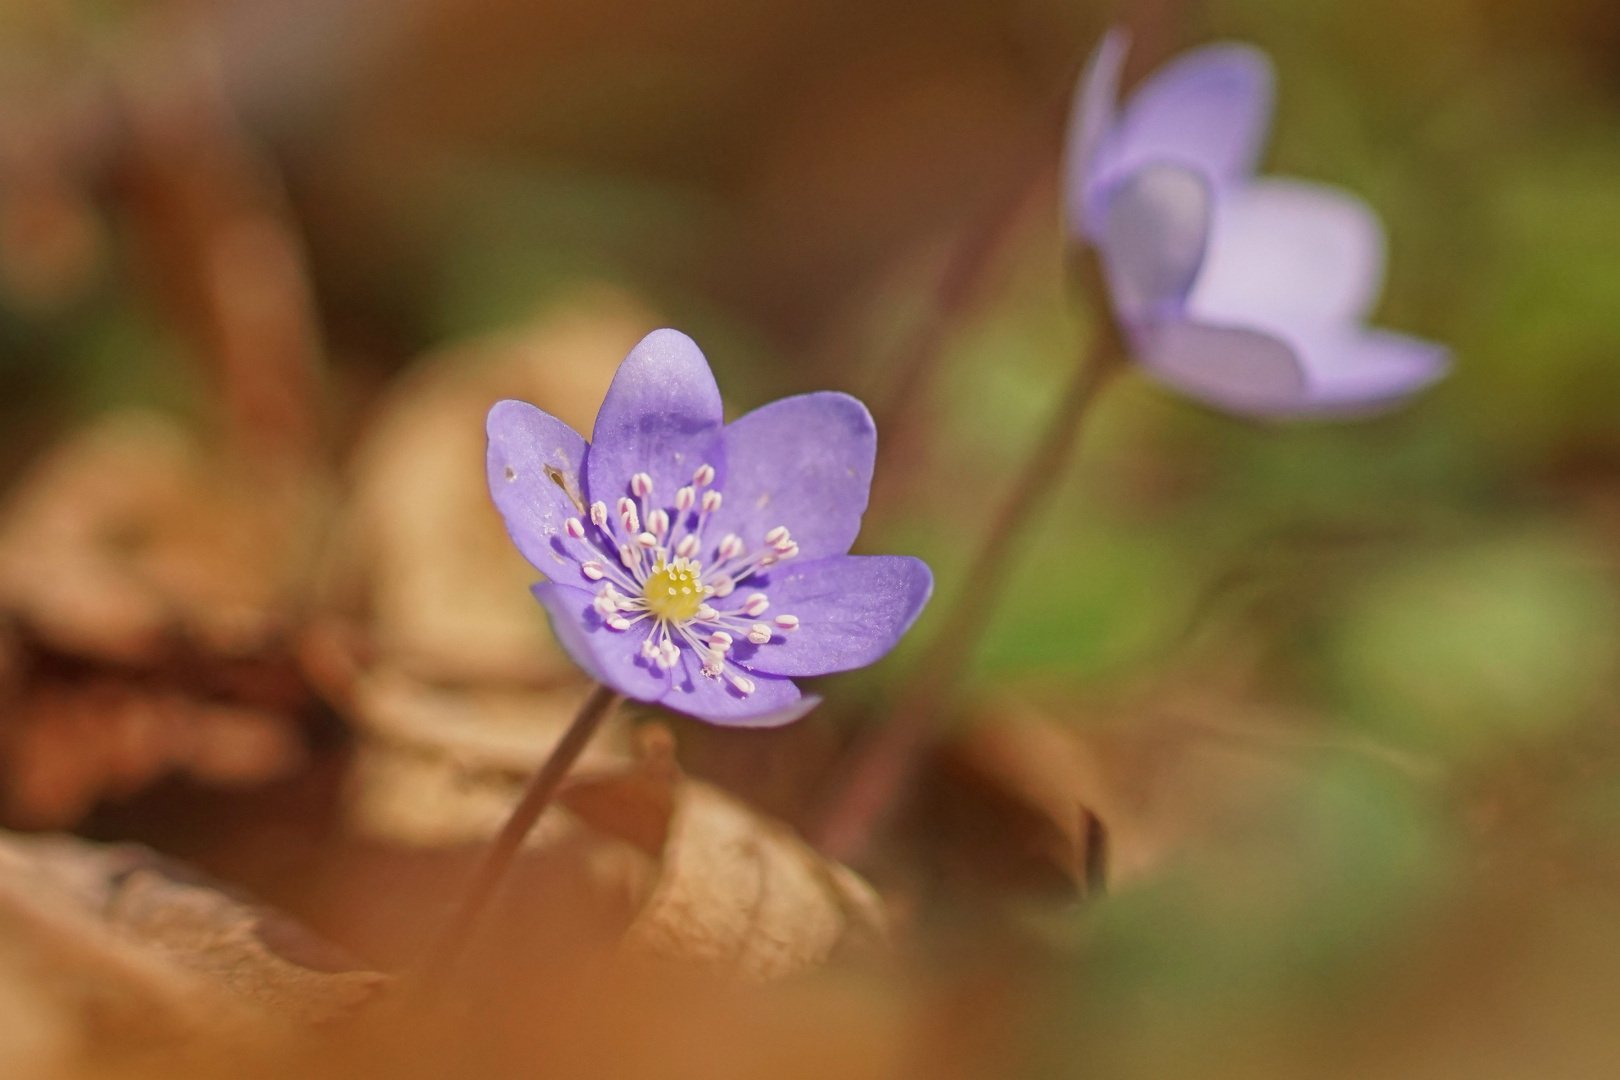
pixel 674 592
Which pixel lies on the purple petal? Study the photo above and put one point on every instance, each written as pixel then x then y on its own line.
pixel 804 462
pixel 611 657
pixel 851 610
pixel 1209 110
pixel 1299 371
pixel 1282 249
pixel 533 467
pixel 1352 370
pixel 661 416
pixel 1243 371
pixel 1153 242
pixel 771 703
pixel 1090 120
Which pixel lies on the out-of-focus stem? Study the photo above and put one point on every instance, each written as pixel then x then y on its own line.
pixel 442 956
pixel 882 769
pixel 901 412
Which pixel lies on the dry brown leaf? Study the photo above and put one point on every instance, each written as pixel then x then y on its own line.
pixel 444 593
pixel 153 585
pixel 733 888
pixel 1166 776
pixel 72 743
pixel 742 891
pixel 131 532
pixel 109 950
pixel 438 766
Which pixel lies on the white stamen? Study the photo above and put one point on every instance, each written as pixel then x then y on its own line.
pixel 720 640
pixel 787 550
pixel 575 528
pixel 731 546
pixel 705 613
pixel 723 586
pixel 769 560
pixel 743 683
pixel 658 522
pixel 649 651
pixel 618 622
pixel 704 476
pixel 668 655
pixel 714 664
pixel 606 603
pixel 641 485
pixel 776 535
pixel 628 516
pixel 599 514
pixel 688 546
pixel 647 540
pixel 684 498
pixel 755 605
pixel 592 570
pixel 629 556
pixel 759 633
pixel 711 501
pixel 788 622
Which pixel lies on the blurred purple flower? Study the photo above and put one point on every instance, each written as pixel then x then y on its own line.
pixel 700 566
pixel 1245 293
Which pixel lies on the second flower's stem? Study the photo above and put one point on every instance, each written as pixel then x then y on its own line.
pixel 884 766
pixel 441 957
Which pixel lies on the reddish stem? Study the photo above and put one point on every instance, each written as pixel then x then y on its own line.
pixel 442 956
pixel 883 767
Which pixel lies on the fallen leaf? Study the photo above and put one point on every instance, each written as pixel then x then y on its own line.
pixel 438 766
pixel 743 891
pixel 114 949
pixel 72 743
pixel 127 534
pixel 152 589
pixel 733 888
pixel 424 561
pixel 1168 774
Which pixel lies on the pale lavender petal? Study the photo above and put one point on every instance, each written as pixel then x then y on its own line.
pixel 1153 240
pixel 1283 249
pixel 661 416
pixel 802 462
pixel 611 657
pixel 1352 370
pixel 1090 120
pixel 770 703
pixel 1209 110
pixel 533 465
pixel 852 609
pixel 1239 370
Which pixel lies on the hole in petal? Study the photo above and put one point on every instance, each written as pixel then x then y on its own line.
pixel 561 479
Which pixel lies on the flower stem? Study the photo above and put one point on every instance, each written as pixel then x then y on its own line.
pixel 882 768
pixel 446 950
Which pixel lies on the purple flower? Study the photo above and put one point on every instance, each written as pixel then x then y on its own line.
pixel 1245 293
pixel 696 564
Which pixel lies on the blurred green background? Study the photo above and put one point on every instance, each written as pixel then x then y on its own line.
pixel 1402 633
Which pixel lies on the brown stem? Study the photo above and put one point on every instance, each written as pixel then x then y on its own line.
pixel 883 767
pixel 902 410
pixel 442 956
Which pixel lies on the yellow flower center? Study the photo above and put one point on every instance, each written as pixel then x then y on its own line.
pixel 672 592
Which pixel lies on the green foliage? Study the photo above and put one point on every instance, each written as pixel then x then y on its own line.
pixel 1505 641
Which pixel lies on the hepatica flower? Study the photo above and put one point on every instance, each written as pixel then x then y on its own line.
pixel 699 565
pixel 1246 293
